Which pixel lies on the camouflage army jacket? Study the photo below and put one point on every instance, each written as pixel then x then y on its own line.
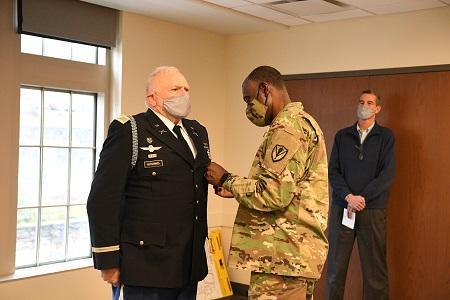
pixel 281 221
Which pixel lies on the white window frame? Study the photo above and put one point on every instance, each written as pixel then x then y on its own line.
pixel 42 71
pixel 67 205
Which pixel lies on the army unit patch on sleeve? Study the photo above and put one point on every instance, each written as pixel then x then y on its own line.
pixel 279 152
pixel 282 145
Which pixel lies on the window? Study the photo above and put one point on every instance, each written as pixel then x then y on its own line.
pixel 56 165
pixel 64 50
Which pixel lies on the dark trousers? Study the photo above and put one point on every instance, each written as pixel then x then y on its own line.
pixel 370 233
pixel 148 293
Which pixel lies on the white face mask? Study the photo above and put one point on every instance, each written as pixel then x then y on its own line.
pixel 179 106
pixel 364 112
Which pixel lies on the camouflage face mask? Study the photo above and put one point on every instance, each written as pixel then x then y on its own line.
pixel 256 112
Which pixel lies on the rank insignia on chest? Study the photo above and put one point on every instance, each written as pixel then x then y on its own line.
pixel 206 147
pixel 279 152
pixel 193 131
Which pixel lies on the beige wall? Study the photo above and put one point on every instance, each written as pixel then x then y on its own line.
pixel 71 285
pixel 214 66
pixel 17 69
pixel 405 40
pixel 145 44
pixel 200 56
pixel 9 134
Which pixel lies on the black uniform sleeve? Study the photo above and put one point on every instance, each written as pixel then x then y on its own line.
pixel 105 197
pixel 386 173
pixel 335 177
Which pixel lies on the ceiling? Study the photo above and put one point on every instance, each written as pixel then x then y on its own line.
pixel 246 16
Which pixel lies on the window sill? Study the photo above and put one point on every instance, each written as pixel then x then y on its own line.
pixel 47 269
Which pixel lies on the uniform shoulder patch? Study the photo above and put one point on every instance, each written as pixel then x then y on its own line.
pixel 123 119
pixel 279 152
pixel 281 147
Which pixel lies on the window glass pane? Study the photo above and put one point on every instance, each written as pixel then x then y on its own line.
pixel 81 174
pixel 84 53
pixel 101 56
pixel 30 44
pixel 83 120
pixel 30 116
pixel 26 239
pixel 79 243
pixel 28 181
pixel 64 50
pixel 47 234
pixel 55 166
pixel 57 49
pixel 56 118
pixel 52 246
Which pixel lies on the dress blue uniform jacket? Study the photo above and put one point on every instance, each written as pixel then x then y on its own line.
pixel 150 220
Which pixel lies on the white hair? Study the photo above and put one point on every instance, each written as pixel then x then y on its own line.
pixel 151 78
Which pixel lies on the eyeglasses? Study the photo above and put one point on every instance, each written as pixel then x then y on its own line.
pixel 361 151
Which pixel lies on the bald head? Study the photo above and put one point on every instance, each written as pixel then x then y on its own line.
pixel 266 74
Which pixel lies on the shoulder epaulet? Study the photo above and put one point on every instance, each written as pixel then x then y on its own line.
pixel 134 136
pixel 123 119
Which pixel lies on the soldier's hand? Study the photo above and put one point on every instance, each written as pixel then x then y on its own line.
pixel 220 191
pixel 358 203
pixel 111 276
pixel 214 172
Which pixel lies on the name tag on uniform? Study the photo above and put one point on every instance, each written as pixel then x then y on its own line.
pixel 153 163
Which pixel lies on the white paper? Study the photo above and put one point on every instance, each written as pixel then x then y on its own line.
pixel 349 222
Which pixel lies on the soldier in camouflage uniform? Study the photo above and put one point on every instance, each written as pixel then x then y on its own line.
pixel 279 231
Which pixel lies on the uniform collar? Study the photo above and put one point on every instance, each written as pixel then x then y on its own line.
pixel 169 124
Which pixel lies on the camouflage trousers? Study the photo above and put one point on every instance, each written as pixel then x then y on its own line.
pixel 264 286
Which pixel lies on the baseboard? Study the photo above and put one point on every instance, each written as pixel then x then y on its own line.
pixel 239 288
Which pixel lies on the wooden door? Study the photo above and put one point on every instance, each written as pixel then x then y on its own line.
pixel 416 107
